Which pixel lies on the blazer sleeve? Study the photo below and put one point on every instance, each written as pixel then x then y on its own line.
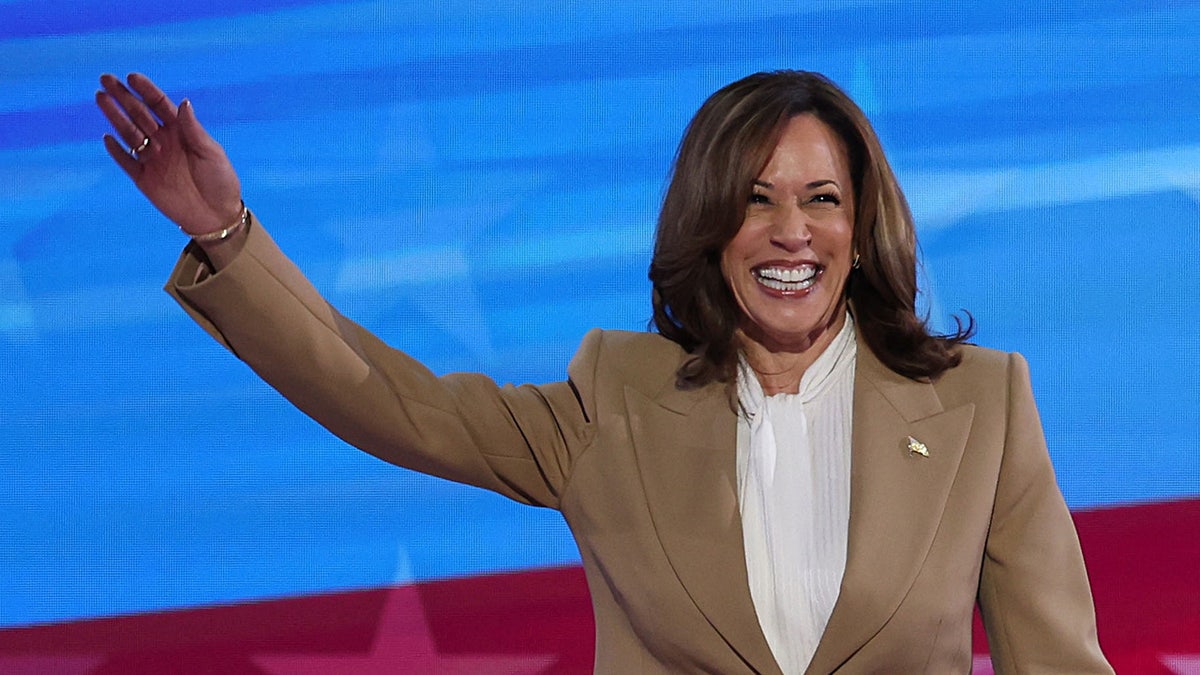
pixel 517 441
pixel 1034 593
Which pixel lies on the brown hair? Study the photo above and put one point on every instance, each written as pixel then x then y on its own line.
pixel 723 150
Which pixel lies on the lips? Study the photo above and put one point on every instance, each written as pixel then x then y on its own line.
pixel 787 278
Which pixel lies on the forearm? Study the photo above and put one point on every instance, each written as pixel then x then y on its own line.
pixel 462 427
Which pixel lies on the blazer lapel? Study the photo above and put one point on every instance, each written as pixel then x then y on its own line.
pixel 685 443
pixel 896 499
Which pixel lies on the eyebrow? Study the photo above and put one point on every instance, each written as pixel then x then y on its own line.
pixel 813 185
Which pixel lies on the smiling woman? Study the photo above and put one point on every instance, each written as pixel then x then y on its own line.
pixel 788 264
pixel 793 476
pixel 805 126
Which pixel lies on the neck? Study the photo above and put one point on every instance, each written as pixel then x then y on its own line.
pixel 780 369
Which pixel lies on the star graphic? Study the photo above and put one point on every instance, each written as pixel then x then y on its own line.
pixel 403 644
pixel 981 664
pixel 1181 664
pixel 18 323
pixel 433 256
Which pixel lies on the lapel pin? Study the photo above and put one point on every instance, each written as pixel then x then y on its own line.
pixel 916 447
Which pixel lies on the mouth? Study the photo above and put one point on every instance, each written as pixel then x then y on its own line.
pixel 788 279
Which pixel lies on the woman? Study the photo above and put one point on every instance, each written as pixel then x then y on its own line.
pixel 792 476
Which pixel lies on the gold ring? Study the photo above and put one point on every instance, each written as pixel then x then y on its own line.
pixel 142 148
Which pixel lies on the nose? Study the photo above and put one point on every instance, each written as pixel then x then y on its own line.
pixel 791 231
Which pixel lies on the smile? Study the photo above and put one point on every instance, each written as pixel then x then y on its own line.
pixel 787 278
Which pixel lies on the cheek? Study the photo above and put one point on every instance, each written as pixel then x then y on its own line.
pixel 740 247
pixel 841 243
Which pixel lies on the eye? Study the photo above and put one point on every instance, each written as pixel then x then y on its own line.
pixel 759 198
pixel 826 198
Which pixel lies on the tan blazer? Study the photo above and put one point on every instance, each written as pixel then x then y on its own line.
pixel 644 474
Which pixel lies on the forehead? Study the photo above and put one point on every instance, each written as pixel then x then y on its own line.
pixel 807 147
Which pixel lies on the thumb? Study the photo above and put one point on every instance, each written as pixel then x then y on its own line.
pixel 193 135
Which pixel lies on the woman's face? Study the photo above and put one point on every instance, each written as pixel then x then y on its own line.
pixel 787 266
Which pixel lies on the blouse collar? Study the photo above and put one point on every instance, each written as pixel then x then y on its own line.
pixel 833 363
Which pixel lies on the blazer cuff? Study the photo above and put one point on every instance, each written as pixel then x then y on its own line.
pixel 194 284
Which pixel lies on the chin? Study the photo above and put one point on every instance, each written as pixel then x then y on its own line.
pixel 797 332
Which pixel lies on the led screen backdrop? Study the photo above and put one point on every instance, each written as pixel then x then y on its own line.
pixel 478 183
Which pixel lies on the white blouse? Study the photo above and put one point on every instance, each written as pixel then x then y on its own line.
pixel 793 464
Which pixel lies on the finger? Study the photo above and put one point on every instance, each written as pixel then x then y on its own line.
pixel 123 159
pixel 154 97
pixel 134 108
pixel 129 132
pixel 195 137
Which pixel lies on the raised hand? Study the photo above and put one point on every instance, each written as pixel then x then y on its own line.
pixel 172 160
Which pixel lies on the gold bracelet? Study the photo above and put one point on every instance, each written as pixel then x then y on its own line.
pixel 243 220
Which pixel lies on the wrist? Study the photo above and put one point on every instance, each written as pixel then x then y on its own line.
pixel 241 223
pixel 222 246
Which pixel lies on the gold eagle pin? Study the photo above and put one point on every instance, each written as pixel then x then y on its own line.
pixel 916 447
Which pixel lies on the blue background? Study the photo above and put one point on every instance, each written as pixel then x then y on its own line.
pixel 478 183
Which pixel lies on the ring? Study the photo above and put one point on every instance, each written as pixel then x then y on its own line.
pixel 142 148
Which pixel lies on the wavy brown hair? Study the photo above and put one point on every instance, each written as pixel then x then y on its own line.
pixel 724 149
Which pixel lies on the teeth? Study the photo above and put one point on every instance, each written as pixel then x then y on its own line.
pixel 787 278
pixel 788 274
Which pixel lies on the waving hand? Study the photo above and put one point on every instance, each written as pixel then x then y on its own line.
pixel 172 159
